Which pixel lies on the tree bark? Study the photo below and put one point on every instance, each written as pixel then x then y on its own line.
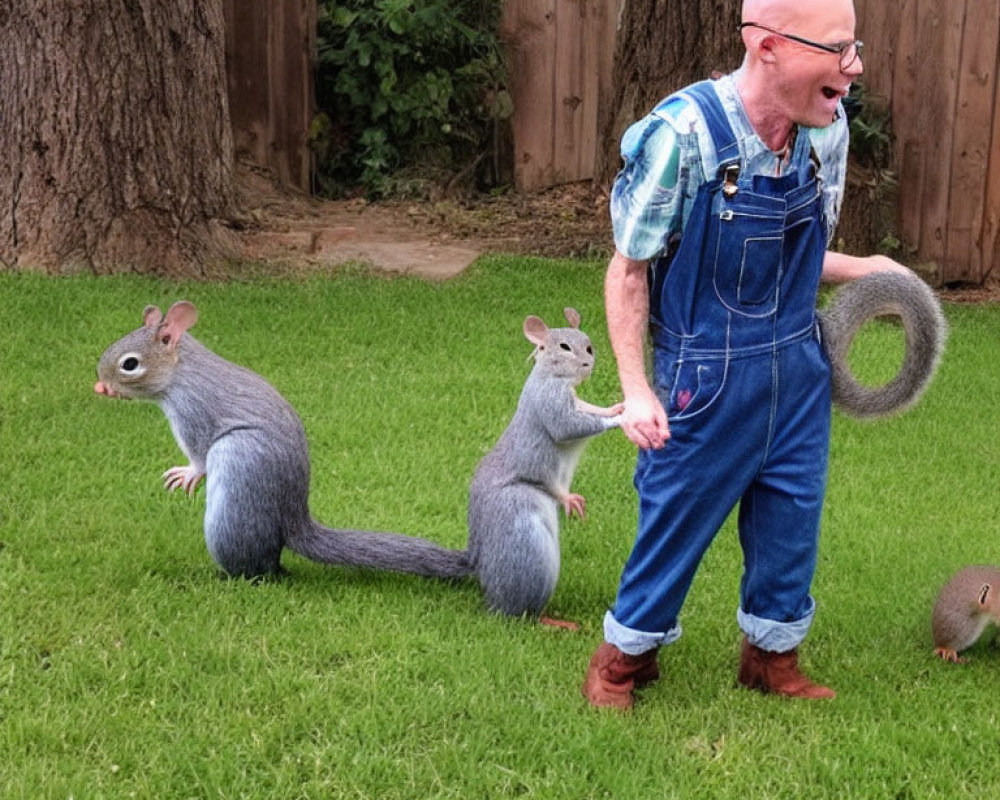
pixel 115 122
pixel 662 46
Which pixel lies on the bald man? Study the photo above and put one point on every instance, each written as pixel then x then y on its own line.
pixel 722 214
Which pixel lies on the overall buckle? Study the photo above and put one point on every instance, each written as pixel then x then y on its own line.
pixel 730 175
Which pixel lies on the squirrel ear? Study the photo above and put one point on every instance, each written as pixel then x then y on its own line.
pixel 572 317
pixel 535 330
pixel 180 316
pixel 151 316
pixel 984 594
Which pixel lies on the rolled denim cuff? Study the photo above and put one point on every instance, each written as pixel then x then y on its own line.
pixel 633 642
pixel 775 637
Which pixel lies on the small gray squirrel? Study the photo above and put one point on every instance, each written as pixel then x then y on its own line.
pixel 248 442
pixel 964 607
pixel 520 484
pixel 903 295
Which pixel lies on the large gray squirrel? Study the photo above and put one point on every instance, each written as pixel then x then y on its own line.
pixel 520 484
pixel 237 430
pixel 896 294
pixel 248 443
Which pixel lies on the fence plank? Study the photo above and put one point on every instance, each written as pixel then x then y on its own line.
pixel 570 51
pixel 989 243
pixel 906 99
pixel 879 26
pixel 529 32
pixel 248 106
pixel 269 54
pixel 970 153
pixel 560 54
pixel 940 34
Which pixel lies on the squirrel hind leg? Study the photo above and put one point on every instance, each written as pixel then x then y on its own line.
pixel 255 578
pixel 513 598
pixel 948 654
pixel 565 624
pixel 515 532
pixel 245 545
pixel 245 515
pixel 515 589
pixel 242 557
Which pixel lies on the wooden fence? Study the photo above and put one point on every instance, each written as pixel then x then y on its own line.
pixel 935 60
pixel 560 54
pixel 269 58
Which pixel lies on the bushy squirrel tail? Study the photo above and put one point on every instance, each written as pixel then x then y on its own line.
pixel 883 294
pixel 387 551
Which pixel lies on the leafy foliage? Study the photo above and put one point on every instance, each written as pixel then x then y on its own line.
pixel 407 88
pixel 871 129
pixel 871 154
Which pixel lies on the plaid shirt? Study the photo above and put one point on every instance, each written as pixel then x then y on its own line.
pixel 670 153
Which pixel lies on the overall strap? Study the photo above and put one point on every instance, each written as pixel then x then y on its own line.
pixel 727 151
pixel 728 167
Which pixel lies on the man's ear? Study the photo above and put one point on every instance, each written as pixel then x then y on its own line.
pixel 765 48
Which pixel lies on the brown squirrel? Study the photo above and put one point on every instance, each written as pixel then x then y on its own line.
pixel 964 607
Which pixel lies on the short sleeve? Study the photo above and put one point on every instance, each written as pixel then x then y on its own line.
pixel 646 197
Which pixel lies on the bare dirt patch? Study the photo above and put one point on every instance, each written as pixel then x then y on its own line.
pixel 439 239
pixel 434 239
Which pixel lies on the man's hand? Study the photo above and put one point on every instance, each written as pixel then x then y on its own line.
pixel 644 421
pixel 626 301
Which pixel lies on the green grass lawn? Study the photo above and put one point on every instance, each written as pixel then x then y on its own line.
pixel 129 669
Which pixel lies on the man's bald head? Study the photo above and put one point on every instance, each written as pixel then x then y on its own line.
pixel 792 72
pixel 803 17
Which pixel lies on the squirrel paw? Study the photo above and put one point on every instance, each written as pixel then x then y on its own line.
pixel 559 623
pixel 573 504
pixel 186 478
pixel 947 654
pixel 589 408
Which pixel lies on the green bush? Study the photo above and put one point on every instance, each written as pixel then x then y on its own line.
pixel 410 92
pixel 871 127
pixel 871 154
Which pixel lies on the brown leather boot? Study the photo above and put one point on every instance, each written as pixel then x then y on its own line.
pixel 612 675
pixel 777 673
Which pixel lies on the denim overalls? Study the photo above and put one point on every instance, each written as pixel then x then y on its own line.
pixel 741 373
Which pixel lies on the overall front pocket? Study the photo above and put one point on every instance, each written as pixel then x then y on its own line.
pixel 747 271
pixel 692 386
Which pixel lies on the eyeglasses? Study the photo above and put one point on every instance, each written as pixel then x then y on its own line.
pixel 848 51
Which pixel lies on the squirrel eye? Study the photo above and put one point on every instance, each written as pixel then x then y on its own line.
pixel 564 346
pixel 130 364
pixel 590 350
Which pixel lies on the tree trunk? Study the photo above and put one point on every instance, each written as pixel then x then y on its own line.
pixel 661 46
pixel 118 152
